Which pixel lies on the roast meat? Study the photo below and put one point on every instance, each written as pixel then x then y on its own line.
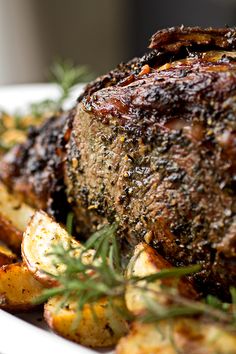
pixel 152 146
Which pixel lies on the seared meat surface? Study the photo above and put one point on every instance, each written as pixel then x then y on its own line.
pixel 153 146
pixel 156 151
pixel 35 169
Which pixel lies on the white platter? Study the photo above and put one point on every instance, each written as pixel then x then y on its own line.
pixel 16 98
pixel 27 333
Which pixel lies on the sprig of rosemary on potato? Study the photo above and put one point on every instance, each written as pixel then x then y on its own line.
pixel 104 277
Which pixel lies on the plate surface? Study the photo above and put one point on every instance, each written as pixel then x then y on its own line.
pixel 17 98
pixel 27 333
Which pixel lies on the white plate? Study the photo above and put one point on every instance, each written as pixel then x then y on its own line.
pixel 17 98
pixel 27 333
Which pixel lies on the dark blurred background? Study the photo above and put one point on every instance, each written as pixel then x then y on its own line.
pixel 99 33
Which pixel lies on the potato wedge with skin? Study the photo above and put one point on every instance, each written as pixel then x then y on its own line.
pixel 99 326
pixel 147 261
pixel 6 255
pixel 41 234
pixel 18 288
pixel 14 216
pixel 185 336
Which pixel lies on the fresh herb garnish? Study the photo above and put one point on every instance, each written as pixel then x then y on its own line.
pixel 66 75
pixel 13 127
pixel 89 282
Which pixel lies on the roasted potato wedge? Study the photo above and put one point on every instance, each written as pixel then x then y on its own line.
pixel 41 234
pixel 18 288
pixel 98 326
pixel 185 336
pixel 6 255
pixel 146 261
pixel 14 216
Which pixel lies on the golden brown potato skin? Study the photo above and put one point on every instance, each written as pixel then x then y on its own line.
pixel 18 288
pixel 14 216
pixel 146 261
pixel 6 256
pixel 41 235
pixel 10 234
pixel 100 329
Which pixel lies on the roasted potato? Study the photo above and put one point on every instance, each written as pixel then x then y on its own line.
pixel 178 335
pixel 147 261
pixel 18 288
pixel 41 234
pixel 185 336
pixel 6 255
pixel 14 216
pixel 98 326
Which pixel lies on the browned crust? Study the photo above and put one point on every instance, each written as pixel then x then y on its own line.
pixel 34 170
pixel 7 258
pixel 10 234
pixel 175 183
pixel 134 116
pixel 172 39
pixel 165 45
pixel 11 306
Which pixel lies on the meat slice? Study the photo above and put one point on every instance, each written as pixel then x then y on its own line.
pixel 156 152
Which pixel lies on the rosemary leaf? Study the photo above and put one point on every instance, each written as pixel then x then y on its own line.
pixel 174 272
pixel 87 283
pixel 69 223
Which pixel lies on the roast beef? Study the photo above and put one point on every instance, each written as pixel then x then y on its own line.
pixel 35 169
pixel 152 147
pixel 155 151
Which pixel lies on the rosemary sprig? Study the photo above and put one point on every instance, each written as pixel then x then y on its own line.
pixel 183 306
pixel 13 127
pixel 65 74
pixel 104 277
